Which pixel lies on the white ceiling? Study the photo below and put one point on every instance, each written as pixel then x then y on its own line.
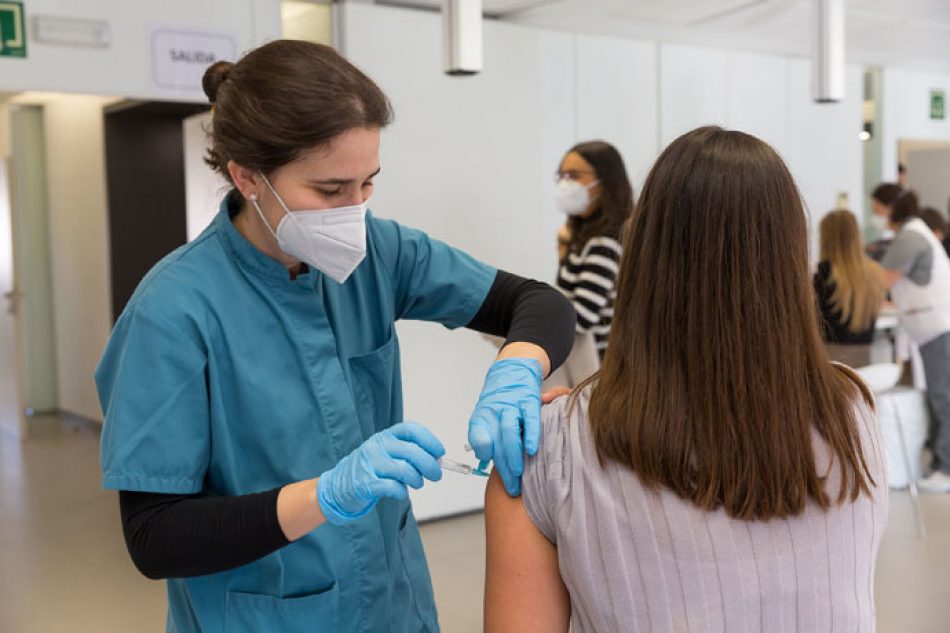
pixel 879 32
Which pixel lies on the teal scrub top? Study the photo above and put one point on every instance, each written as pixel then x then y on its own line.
pixel 226 377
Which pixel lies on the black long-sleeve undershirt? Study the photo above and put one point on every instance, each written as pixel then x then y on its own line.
pixel 178 536
pixel 527 311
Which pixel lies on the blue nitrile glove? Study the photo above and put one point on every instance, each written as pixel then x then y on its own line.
pixel 510 402
pixel 382 466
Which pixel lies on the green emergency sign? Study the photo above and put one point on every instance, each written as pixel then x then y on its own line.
pixel 12 29
pixel 937 105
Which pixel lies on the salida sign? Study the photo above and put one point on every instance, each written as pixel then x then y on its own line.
pixel 193 57
pixel 179 58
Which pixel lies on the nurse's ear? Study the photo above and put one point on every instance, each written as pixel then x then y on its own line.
pixel 248 181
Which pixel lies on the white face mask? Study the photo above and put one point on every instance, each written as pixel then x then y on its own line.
pixel 331 240
pixel 879 222
pixel 572 197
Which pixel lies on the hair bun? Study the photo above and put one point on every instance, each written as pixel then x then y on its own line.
pixel 214 76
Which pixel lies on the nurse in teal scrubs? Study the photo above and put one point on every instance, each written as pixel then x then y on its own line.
pixel 251 388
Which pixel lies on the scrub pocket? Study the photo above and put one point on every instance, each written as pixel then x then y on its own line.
pixel 376 386
pixel 417 573
pixel 254 613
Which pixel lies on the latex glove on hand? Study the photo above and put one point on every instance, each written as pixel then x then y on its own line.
pixel 382 466
pixel 510 403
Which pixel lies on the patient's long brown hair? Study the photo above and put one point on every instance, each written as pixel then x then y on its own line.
pixel 715 375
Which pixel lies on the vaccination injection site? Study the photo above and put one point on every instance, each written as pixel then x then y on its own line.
pixel 514 316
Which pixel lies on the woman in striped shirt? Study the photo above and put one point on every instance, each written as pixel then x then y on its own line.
pixel 595 193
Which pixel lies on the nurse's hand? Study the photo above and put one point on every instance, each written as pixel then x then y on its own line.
pixel 510 403
pixel 381 467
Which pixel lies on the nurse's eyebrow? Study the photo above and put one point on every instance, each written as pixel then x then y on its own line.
pixel 343 181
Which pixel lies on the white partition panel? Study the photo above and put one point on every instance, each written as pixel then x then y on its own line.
pixel 757 94
pixel 693 89
pixel 204 187
pixel 770 97
pixel 470 161
pixel 558 117
pixel 824 153
pixel 616 98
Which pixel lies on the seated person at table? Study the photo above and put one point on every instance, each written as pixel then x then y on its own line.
pixel 850 290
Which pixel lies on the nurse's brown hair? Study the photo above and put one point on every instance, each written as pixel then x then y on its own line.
pixel 284 98
pixel 715 376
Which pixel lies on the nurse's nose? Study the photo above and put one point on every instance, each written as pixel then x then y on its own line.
pixel 355 197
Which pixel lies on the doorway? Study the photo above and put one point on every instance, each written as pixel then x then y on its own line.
pixel 91 195
pixel 9 418
pixel 928 171
pixel 28 381
pixel 145 172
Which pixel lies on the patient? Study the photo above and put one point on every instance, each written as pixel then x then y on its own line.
pixel 719 473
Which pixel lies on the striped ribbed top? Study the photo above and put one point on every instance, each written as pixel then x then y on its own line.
pixel 588 279
pixel 650 562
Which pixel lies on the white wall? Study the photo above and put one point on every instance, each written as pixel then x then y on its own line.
pixel 470 159
pixel 465 160
pixel 693 89
pixel 757 97
pixel 769 96
pixel 616 98
pixel 204 188
pixel 125 67
pixel 824 152
pixel 906 112
pixel 80 246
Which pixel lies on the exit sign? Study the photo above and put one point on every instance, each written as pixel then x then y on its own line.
pixel 12 31
pixel 937 102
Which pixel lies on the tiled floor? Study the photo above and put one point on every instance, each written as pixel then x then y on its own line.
pixel 63 565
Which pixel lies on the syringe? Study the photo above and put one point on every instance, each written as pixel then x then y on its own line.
pixel 459 467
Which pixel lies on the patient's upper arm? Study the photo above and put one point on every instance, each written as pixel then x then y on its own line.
pixel 523 587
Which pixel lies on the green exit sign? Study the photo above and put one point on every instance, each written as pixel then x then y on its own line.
pixel 937 102
pixel 12 30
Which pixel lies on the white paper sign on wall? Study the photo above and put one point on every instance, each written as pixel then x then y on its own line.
pixel 179 57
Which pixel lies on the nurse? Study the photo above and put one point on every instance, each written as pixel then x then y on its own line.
pixel 251 388
pixel 917 273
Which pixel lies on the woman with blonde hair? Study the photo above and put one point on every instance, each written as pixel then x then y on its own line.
pixel 850 290
pixel 719 473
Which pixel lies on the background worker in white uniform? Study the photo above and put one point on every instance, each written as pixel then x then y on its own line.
pixel 917 272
